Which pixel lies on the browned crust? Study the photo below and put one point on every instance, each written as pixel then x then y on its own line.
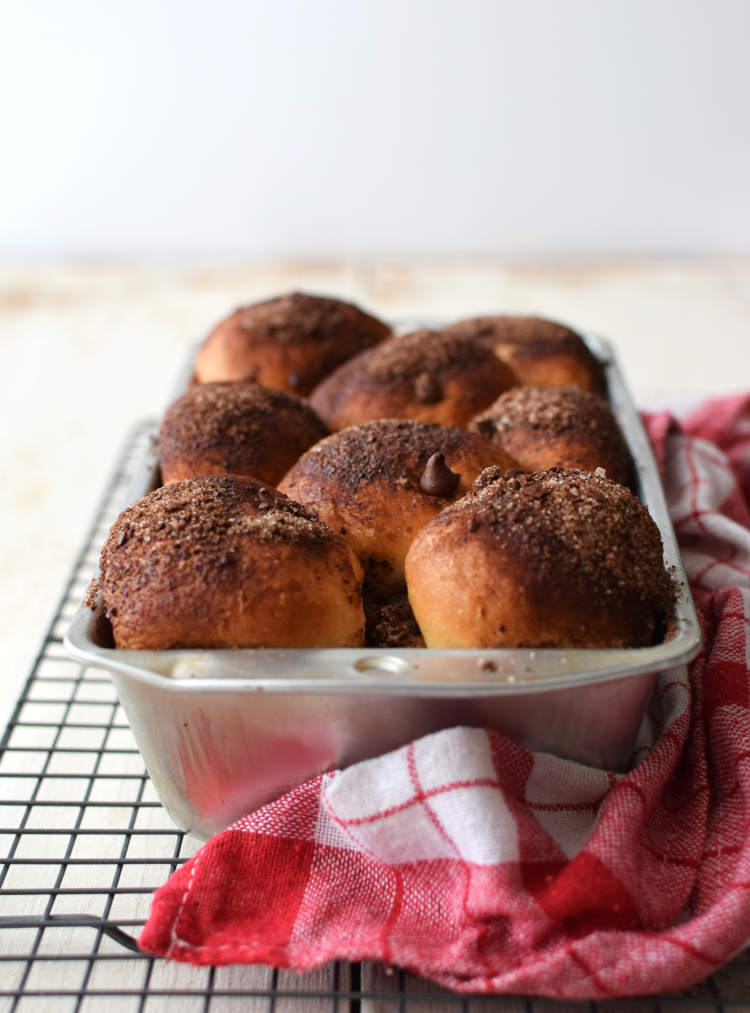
pixel 365 482
pixel 236 428
pixel 539 351
pixel 556 558
pixel 429 376
pixel 228 562
pixel 543 427
pixel 291 342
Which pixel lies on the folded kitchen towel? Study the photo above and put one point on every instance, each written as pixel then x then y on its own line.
pixel 471 861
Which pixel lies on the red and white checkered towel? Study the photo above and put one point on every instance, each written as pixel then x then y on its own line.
pixel 469 860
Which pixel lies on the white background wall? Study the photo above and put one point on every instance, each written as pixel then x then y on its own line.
pixel 344 126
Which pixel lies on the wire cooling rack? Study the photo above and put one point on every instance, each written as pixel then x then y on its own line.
pixel 84 843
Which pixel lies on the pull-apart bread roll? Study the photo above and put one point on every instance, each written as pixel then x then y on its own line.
pixel 541 353
pixel 545 427
pixel 552 559
pixel 378 483
pixel 228 562
pixel 427 375
pixel 236 428
pixel 290 342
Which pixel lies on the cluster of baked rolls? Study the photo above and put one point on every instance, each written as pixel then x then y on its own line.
pixel 328 483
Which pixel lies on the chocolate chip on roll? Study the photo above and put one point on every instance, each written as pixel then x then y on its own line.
pixel 428 376
pixel 378 483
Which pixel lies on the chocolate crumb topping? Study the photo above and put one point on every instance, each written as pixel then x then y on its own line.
pixel 423 353
pixel 437 478
pixel 239 428
pixel 425 375
pixel 396 451
pixel 92 593
pixel 198 522
pixel 551 410
pixel 299 317
pixel 391 623
pixel 571 525
pixel 292 341
pixel 493 474
pixel 566 426
pixel 211 572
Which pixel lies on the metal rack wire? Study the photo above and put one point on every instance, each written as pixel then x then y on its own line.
pixel 84 843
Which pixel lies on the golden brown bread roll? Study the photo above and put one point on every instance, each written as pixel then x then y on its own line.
pixel 544 427
pixel 552 559
pixel 540 352
pixel 236 428
pixel 427 375
pixel 290 342
pixel 228 562
pixel 378 483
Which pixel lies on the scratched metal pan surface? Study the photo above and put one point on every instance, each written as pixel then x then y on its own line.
pixel 223 731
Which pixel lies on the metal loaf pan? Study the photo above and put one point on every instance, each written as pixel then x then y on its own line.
pixel 223 731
